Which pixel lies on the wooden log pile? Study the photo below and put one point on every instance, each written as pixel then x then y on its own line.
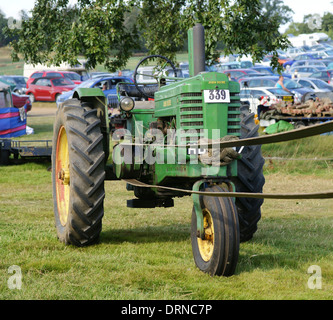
pixel 320 107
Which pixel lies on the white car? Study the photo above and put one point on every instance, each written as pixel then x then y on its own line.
pixel 304 72
pixel 316 84
pixel 264 96
pixel 327 53
pixel 293 52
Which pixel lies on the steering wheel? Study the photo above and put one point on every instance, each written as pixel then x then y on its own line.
pixel 155 74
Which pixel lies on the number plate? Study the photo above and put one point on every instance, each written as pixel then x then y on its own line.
pixel 217 96
pixel 288 98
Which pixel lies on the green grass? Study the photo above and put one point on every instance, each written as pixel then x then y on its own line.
pixel 146 253
pixel 303 156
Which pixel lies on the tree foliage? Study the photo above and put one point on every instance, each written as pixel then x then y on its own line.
pixel 4 39
pixel 278 9
pixel 297 28
pixel 98 29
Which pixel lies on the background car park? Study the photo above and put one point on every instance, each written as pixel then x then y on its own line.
pixel 48 89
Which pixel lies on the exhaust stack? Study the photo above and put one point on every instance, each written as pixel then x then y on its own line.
pixel 196 49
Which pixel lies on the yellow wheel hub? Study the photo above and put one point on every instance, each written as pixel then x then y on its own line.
pixel 206 246
pixel 62 176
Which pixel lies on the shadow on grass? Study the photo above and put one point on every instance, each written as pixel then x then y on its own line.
pixel 271 250
pixel 169 233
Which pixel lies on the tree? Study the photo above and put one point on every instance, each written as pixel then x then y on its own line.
pixel 276 8
pixel 297 28
pixel 96 29
pixel 4 38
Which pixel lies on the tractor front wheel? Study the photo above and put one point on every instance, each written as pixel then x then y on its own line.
pixel 78 174
pixel 217 253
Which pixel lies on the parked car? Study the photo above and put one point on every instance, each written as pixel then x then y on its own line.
pixel 312 63
pixel 254 82
pixel 316 84
pixel 297 89
pixel 325 75
pixel 227 66
pixel 325 53
pixel 270 81
pixel 257 96
pixel 20 101
pixel 48 89
pixel 304 72
pixel 19 83
pixel 96 83
pixel 281 59
pixel 73 76
pixel 269 71
pixel 303 56
pixel 237 73
pixel 327 61
pixel 292 52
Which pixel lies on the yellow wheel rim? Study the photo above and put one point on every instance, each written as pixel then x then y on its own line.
pixel 206 246
pixel 62 176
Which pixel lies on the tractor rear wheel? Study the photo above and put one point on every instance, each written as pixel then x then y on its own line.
pixel 250 178
pixel 78 174
pixel 218 253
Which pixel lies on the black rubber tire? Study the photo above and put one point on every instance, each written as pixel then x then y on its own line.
pixel 225 254
pixel 87 173
pixel 250 178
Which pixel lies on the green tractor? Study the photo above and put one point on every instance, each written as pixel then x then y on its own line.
pixel 161 139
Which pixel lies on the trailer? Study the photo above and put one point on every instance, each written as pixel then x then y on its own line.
pixel 24 150
pixel 315 109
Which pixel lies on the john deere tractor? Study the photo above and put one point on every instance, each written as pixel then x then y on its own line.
pixel 161 136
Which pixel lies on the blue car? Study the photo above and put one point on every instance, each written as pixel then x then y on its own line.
pixel 302 56
pixel 269 71
pixel 109 82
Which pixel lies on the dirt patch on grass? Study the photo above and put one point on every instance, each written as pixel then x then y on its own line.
pixel 42 109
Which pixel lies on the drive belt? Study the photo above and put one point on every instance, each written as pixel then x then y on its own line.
pixel 266 139
pixel 273 138
pixel 290 196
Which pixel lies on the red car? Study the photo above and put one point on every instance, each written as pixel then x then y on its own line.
pixel 75 77
pixel 237 73
pixel 21 100
pixel 48 89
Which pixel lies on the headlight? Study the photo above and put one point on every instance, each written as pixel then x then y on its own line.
pixel 126 104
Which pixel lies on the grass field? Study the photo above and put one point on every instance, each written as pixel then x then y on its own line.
pixel 146 253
